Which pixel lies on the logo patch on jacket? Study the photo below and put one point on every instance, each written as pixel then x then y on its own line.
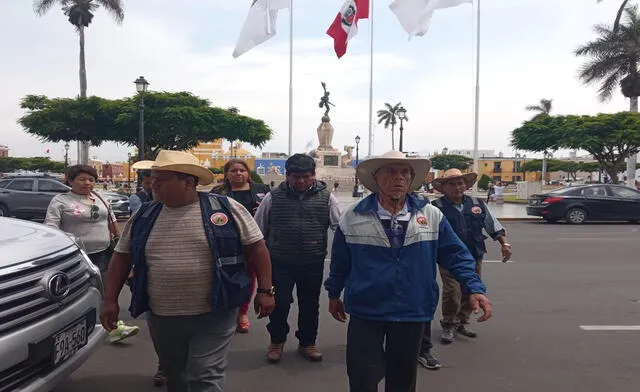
pixel 422 220
pixel 476 210
pixel 219 219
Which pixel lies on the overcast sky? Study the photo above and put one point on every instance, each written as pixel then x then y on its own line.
pixel 527 54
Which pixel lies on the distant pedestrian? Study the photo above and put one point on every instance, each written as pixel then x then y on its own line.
pixel 335 186
pixel 295 218
pixel 190 253
pixel 145 194
pixel 468 216
pixel 384 257
pixel 490 191
pixel 237 184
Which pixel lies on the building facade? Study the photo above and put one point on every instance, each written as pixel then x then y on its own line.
pixel 506 169
pixel 214 156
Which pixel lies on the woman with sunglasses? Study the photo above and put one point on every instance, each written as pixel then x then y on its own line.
pixel 85 214
pixel 238 185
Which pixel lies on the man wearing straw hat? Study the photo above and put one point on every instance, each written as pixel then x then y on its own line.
pixel 188 251
pixel 468 216
pixel 384 256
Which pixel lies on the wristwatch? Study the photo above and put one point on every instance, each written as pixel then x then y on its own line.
pixel 271 291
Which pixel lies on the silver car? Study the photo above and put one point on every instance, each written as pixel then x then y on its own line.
pixel 50 296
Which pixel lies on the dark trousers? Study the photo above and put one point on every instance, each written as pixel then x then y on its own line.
pixel 456 307
pixel 426 345
pixel 307 280
pixel 377 350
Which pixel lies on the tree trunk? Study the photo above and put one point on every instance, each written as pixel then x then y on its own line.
pixel 393 138
pixel 633 159
pixel 544 169
pixel 83 146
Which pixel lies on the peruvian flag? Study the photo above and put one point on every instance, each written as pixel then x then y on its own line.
pixel 345 25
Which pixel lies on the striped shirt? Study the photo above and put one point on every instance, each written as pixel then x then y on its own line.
pixel 179 261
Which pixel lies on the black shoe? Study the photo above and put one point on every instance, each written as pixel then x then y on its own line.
pixel 159 379
pixel 448 335
pixel 464 331
pixel 428 361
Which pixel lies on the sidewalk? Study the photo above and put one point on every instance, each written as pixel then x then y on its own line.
pixel 506 211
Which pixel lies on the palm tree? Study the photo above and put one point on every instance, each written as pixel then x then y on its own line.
pixel 389 116
pixel 615 62
pixel 616 23
pixel 233 110
pixel 80 14
pixel 542 109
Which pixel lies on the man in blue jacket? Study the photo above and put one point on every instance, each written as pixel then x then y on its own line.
pixel 384 256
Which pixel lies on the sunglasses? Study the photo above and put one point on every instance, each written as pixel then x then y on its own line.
pixel 95 212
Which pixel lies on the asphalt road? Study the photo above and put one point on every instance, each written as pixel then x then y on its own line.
pixel 562 277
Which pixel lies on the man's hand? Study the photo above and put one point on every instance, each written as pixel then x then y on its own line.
pixel 264 304
pixel 480 301
pixel 336 308
pixel 109 315
pixel 506 252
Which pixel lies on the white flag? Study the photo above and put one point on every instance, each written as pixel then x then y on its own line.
pixel 415 15
pixel 260 24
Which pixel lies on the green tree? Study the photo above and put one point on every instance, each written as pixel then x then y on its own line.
pixel 614 62
pixel 80 15
pixel 609 138
pixel 483 182
pixel 174 121
pixel 389 116
pixel 444 162
pixel 40 164
pixel 541 109
pixel 616 23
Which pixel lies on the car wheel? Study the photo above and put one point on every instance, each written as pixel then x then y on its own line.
pixel 576 216
pixel 4 211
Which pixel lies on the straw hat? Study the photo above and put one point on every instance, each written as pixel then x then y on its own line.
pixel 142 165
pixel 452 174
pixel 181 162
pixel 367 169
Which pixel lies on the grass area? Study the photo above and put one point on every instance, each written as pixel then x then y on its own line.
pixel 514 199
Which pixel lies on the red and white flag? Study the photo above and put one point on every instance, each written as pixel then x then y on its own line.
pixel 345 25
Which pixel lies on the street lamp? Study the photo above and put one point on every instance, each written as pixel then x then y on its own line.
pixel 355 187
pixel 141 87
pixel 66 155
pixel 402 115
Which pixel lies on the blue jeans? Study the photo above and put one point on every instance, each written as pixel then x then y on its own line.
pixel 193 349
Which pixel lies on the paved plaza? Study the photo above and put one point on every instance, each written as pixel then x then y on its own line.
pixel 563 277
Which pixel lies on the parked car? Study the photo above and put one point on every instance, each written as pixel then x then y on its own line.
pixel 579 204
pixel 50 296
pixel 119 203
pixel 29 197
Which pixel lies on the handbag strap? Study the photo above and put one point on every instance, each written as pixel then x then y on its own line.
pixel 112 224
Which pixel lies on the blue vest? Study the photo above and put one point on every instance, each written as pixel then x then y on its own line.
pixel 231 279
pixel 467 224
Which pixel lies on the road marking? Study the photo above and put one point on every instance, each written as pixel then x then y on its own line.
pixel 610 327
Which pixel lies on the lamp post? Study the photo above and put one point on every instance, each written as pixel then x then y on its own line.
pixel 129 174
pixel 355 187
pixel 141 86
pixel 66 155
pixel 402 115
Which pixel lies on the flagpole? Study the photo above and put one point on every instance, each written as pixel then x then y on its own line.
pixel 290 77
pixel 371 79
pixel 476 125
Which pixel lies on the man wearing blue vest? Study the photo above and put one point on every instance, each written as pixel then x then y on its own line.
pixel 468 216
pixel 384 257
pixel 189 253
pixel 295 218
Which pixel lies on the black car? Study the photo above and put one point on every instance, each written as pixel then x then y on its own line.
pixel 577 204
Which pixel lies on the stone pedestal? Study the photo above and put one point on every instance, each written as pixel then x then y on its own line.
pixel 325 135
pixel 328 159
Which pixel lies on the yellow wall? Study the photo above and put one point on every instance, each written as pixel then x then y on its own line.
pixel 506 171
pixel 213 155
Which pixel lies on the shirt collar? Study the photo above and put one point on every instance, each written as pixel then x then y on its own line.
pixel 384 213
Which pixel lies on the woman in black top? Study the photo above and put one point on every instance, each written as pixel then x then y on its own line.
pixel 238 186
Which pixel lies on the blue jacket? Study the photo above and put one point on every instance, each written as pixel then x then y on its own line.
pixel 231 279
pixel 385 284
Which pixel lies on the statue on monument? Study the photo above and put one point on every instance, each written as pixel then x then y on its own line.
pixel 324 102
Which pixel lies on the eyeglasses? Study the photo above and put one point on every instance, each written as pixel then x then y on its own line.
pixel 95 212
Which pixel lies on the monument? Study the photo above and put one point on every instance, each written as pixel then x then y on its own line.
pixel 325 154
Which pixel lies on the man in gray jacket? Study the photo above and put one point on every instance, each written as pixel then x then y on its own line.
pixel 295 218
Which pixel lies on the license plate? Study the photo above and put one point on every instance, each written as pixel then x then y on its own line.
pixel 69 341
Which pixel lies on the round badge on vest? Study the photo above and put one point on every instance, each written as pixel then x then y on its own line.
pixel 422 220
pixel 476 210
pixel 219 219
